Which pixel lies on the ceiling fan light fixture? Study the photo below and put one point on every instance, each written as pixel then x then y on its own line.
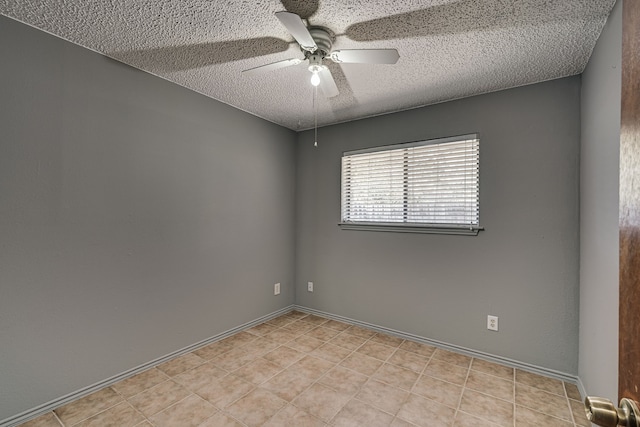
pixel 315 78
pixel 315 66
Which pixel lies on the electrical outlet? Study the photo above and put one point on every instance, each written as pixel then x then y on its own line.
pixel 276 289
pixel 310 286
pixel 492 323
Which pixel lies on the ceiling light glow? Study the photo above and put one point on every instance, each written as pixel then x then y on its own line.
pixel 315 79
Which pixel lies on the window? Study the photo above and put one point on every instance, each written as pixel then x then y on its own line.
pixel 426 186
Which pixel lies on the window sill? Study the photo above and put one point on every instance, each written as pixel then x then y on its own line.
pixel 411 228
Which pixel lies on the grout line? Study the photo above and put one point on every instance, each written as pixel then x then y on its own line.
pixel 370 377
pixel 225 413
pixel 305 355
pixel 464 387
pixel 100 412
pixel 538 370
pixel 549 415
pixel 566 396
pixel 125 399
pixel 317 381
pixel 515 408
pixel 57 418
pixel 283 325
pixel 177 402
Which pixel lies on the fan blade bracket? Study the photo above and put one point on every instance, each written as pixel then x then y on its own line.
pixel 293 23
pixel 365 56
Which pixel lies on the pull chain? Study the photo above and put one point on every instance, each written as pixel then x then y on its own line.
pixel 315 115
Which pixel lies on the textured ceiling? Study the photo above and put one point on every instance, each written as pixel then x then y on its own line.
pixel 448 49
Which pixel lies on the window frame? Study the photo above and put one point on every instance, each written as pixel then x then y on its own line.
pixel 411 227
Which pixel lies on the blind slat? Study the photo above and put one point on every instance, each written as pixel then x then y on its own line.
pixel 426 183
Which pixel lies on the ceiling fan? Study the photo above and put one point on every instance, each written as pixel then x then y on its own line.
pixel 315 43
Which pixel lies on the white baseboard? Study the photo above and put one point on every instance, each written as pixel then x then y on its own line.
pixel 61 401
pixel 581 389
pixel 56 403
pixel 440 344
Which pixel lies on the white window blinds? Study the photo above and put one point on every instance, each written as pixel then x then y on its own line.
pixel 431 183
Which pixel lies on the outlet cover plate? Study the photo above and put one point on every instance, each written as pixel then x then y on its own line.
pixel 310 286
pixel 492 323
pixel 276 289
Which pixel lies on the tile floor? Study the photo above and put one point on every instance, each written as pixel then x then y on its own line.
pixel 304 370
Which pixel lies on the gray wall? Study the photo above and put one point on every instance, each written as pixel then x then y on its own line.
pixel 599 170
pixel 522 268
pixel 136 217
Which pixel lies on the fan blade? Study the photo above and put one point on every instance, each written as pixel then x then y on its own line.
pixel 366 56
pixel 272 66
pixel 327 84
pixel 298 30
pixel 346 100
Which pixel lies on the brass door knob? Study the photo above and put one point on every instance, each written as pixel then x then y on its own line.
pixel 603 412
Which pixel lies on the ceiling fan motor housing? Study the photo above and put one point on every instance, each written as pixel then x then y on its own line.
pixel 324 40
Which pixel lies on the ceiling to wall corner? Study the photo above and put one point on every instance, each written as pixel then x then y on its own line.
pixel 448 49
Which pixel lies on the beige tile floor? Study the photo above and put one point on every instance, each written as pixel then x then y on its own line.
pixel 304 370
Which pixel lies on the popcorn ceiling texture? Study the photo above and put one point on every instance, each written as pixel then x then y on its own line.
pixel 448 49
